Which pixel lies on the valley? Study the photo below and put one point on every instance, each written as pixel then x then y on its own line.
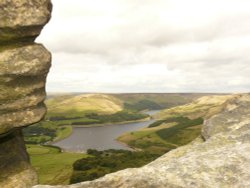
pixel 92 129
pixel 101 137
pixel 85 110
pixel 175 126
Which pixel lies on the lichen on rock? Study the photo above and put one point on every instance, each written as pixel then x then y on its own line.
pixel 22 20
pixel 23 69
pixel 23 73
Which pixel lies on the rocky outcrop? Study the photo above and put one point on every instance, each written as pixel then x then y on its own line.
pixel 23 69
pixel 15 168
pixel 22 20
pixel 219 158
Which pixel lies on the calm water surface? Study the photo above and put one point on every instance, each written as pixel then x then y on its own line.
pixel 100 138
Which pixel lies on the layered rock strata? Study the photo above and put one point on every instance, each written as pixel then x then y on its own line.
pixel 220 158
pixel 23 69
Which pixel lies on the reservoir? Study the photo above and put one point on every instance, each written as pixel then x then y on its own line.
pixel 100 138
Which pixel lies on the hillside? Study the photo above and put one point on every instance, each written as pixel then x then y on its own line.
pixel 176 126
pixel 204 107
pixel 152 101
pixel 111 103
pixel 71 105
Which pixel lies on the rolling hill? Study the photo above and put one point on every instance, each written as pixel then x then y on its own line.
pixel 202 107
pixel 77 105
pixel 152 101
pixel 176 126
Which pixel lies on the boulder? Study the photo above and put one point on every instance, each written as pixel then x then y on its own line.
pixel 23 69
pixel 16 171
pixel 22 20
pixel 23 73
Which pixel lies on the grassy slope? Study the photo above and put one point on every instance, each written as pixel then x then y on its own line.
pixel 60 132
pixel 63 132
pixel 78 105
pixel 72 106
pixel 179 132
pixel 53 167
pixel 202 107
pixel 165 100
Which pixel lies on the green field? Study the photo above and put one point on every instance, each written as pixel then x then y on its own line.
pixel 53 167
pixel 162 138
pixel 46 131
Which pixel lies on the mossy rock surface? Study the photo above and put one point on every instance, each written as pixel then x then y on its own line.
pixel 14 163
pixel 22 20
pixel 23 69
pixel 22 85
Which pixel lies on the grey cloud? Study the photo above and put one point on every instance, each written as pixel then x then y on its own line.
pixel 203 44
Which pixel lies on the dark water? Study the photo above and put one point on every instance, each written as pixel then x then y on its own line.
pixel 100 138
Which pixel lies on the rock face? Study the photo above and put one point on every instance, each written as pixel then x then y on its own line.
pixel 23 73
pixel 22 20
pixel 219 158
pixel 15 169
pixel 23 69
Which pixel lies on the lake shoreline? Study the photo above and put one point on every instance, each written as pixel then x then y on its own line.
pixel 96 125
pixel 100 136
pixel 128 146
pixel 111 123
pixel 101 125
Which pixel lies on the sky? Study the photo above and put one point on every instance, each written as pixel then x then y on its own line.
pixel 117 46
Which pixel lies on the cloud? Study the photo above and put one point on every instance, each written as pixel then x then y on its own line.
pixel 149 46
